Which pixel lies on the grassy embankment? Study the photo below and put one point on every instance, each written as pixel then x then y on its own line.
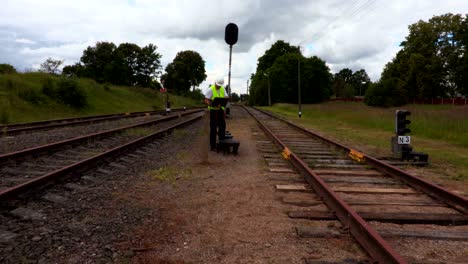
pixel 439 130
pixel 22 99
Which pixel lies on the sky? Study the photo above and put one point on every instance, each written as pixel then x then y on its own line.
pixel 355 34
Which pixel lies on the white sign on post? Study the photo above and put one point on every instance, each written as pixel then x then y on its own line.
pixel 404 140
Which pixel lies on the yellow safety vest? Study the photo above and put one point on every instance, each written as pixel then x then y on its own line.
pixel 216 93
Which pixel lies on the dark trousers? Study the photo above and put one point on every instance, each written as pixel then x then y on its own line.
pixel 217 124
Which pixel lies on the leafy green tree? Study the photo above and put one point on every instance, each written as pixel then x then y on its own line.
pixel 98 61
pixel 125 63
pixel 461 76
pixel 282 77
pixel 7 68
pixel 431 62
pixel 185 71
pixel 258 90
pixel 347 83
pixel 340 79
pixel 76 70
pixel 278 49
pixel 360 82
pixel 259 83
pixel 386 93
pixel 235 97
pixel 315 79
pixel 244 97
pixel 51 66
pixel 148 65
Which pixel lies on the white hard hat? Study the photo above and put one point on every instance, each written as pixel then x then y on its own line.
pixel 219 81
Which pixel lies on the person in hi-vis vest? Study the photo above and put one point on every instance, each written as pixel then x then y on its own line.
pixel 217 122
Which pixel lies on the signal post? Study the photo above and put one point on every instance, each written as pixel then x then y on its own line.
pixel 401 143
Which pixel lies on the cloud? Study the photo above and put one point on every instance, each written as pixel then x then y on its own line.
pixel 354 34
pixel 25 41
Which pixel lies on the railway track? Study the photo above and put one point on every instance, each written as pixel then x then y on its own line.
pixel 19 128
pixel 379 205
pixel 23 170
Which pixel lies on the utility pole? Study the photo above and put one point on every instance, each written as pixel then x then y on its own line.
pixel 247 86
pixel 299 82
pixel 269 95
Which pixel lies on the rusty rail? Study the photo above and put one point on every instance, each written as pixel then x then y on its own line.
pixel 14 191
pixel 14 129
pixel 458 202
pixel 49 147
pixel 377 248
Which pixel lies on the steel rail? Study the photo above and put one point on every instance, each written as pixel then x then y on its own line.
pixel 14 129
pixel 21 188
pixel 456 201
pixel 377 248
pixel 74 141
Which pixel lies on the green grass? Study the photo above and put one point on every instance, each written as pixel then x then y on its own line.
pixel 22 100
pixel 439 130
pixel 447 123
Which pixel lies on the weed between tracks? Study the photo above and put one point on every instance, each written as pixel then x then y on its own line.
pixel 170 174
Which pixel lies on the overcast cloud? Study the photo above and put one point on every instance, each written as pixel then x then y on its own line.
pixel 345 33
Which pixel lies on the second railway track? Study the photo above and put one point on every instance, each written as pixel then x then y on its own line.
pixel 22 170
pixel 19 128
pixel 379 205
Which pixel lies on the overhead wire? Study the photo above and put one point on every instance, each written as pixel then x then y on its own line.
pixel 357 8
pixel 334 18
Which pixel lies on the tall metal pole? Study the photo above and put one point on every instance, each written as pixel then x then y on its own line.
pixel 229 78
pixel 247 86
pixel 269 93
pixel 299 82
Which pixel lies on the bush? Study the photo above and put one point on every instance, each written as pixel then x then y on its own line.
pixel 7 69
pixel 386 93
pixel 29 94
pixel 69 92
pixel 10 84
pixel 48 88
pixel 196 95
pixel 66 90
pixel 4 114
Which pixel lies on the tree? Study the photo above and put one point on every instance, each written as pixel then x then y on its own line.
pixel 235 97
pixel 315 79
pixel 73 70
pixel 279 68
pixel 340 79
pixel 185 71
pixel 7 68
pixel 432 61
pixel 349 84
pixel 360 82
pixel 98 62
pixel 278 49
pixel 148 65
pixel 388 92
pixel 51 66
pixel 461 76
pixel 127 64
pixel 259 83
